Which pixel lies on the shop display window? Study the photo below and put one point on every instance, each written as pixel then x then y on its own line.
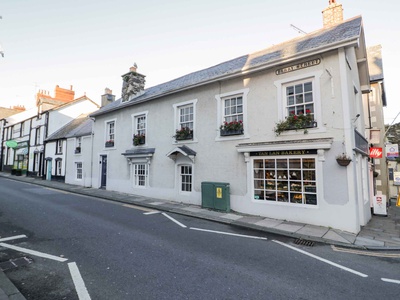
pixel 287 180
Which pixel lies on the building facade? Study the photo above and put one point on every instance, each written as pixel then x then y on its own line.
pixel 269 124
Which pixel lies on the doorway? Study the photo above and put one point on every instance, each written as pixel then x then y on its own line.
pixel 103 178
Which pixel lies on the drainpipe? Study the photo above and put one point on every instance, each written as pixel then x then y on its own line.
pixel 92 152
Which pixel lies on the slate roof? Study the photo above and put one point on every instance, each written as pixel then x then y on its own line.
pixel 80 126
pixel 348 31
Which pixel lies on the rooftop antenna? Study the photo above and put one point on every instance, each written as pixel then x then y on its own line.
pixel 298 29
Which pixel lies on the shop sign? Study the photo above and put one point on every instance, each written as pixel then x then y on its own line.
pixel 375 152
pixel 392 150
pixel 11 144
pixel 396 178
pixel 284 152
pixel 298 66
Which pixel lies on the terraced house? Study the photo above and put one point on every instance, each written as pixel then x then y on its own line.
pixel 270 124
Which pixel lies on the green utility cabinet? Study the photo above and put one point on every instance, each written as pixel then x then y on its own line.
pixel 215 195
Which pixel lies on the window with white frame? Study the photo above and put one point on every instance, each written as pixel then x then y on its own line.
pixel 140 174
pixel 299 101
pixel 58 167
pixel 79 142
pixel 37 136
pixel 140 125
pixel 185 174
pixel 78 170
pixel 232 116
pixel 185 120
pixel 59 146
pixel 285 180
pixel 110 131
pixel 233 109
pixel 299 98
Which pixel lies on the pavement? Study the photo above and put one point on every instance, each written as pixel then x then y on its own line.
pixel 382 233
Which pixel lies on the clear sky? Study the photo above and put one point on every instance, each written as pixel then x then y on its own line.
pixel 89 44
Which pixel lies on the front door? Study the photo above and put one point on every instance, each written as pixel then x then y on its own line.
pixel 49 166
pixel 103 162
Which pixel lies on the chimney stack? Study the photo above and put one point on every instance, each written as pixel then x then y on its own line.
pixel 107 98
pixel 333 14
pixel 132 84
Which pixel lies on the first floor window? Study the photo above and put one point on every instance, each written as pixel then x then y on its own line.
pixel 186 178
pixel 299 98
pixel 59 146
pixel 110 131
pixel 78 170
pixel 286 180
pixel 233 109
pixel 140 174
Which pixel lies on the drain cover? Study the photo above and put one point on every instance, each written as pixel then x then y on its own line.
pixel 304 242
pixel 15 263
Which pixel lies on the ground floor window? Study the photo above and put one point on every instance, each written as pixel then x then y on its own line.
pixel 58 167
pixel 186 178
pixel 140 174
pixel 78 170
pixel 287 180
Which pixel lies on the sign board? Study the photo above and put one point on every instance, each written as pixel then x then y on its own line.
pixel 375 152
pixel 298 66
pixel 11 144
pixel 380 205
pixel 392 150
pixel 396 178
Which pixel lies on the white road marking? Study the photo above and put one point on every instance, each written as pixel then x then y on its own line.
pixel 228 233
pixel 151 212
pixel 33 252
pixel 138 207
pixel 13 238
pixel 80 287
pixel 391 280
pixel 173 220
pixel 322 259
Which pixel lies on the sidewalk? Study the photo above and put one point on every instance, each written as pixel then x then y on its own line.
pixel 381 233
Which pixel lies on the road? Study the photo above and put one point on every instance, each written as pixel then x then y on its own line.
pixel 87 248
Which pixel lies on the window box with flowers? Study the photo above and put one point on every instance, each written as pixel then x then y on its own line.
pixel 77 150
pixel 185 133
pixel 109 143
pixel 296 122
pixel 231 128
pixel 139 139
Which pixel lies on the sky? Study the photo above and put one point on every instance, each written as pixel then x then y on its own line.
pixel 89 44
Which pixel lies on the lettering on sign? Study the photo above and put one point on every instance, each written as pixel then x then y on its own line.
pixel 284 152
pixel 375 152
pixel 298 66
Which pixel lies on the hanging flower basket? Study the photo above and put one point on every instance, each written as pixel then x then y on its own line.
pixel 343 160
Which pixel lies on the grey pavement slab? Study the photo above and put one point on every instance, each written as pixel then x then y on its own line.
pixel 289 227
pixel 269 223
pixel 361 241
pixel 192 209
pixel 331 235
pixel 311 230
pixel 231 217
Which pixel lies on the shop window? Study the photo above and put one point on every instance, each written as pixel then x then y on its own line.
pixel 285 180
